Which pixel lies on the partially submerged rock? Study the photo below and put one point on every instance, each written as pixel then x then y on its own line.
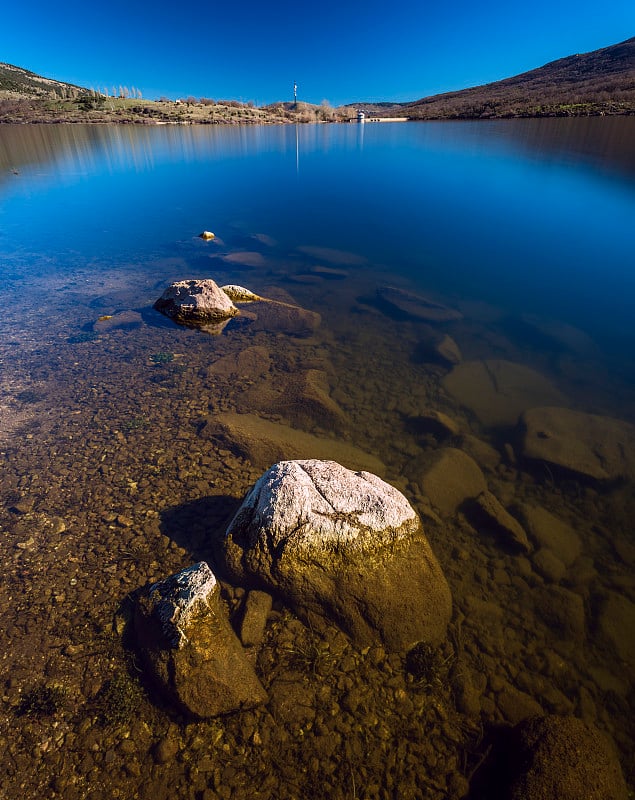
pixel 206 236
pixel 122 320
pixel 238 294
pixel 416 305
pixel 196 303
pixel 264 442
pixel 190 649
pixel 341 546
pixel 591 445
pixel 498 391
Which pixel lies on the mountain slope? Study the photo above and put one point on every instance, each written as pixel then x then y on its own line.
pixel 600 82
pixel 16 82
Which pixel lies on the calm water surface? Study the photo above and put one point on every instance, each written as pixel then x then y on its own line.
pixel 108 479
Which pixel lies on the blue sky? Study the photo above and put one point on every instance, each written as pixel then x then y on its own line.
pixel 336 50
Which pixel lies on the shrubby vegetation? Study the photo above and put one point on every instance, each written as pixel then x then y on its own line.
pixel 601 82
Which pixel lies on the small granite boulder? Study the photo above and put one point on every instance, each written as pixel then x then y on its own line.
pixel 190 649
pixel 342 546
pixel 196 303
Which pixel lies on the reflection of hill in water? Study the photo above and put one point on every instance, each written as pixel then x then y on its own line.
pixel 604 143
pixel 24 146
pixel 135 147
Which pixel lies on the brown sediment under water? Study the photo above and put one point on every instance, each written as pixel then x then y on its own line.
pixel 108 485
pixel 110 480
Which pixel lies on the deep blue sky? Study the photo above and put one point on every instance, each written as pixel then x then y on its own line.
pixel 338 50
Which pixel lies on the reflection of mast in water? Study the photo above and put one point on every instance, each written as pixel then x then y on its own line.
pixel 360 133
pixel 297 151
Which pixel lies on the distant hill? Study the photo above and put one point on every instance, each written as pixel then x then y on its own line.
pixel 600 82
pixel 16 82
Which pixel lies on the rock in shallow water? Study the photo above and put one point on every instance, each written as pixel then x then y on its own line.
pixel 416 305
pixel 342 546
pixel 591 445
pixel 190 649
pixel 498 391
pixel 195 303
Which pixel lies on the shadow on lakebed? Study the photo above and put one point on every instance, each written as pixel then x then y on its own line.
pixel 198 527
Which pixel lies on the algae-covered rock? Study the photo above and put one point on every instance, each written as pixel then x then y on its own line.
pixel 341 546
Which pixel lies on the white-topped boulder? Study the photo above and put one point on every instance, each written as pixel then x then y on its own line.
pixel 189 648
pixel 341 546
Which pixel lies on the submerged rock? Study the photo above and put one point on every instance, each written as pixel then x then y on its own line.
pixel 196 303
pixel 550 532
pixel 616 624
pixel 302 397
pixel 252 362
pixel 264 442
pixel 416 305
pixel 562 757
pixel 448 477
pixel 281 314
pixel 486 512
pixel 190 649
pixel 591 445
pixel 341 546
pixel 498 391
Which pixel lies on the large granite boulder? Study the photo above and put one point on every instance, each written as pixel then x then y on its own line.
pixel 190 649
pixel 196 303
pixel 591 445
pixel 564 758
pixel 342 546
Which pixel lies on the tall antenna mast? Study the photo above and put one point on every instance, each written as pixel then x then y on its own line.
pixel 295 93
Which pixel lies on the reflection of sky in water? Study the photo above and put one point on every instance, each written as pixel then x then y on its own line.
pixel 507 212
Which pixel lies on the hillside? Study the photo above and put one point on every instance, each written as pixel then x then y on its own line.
pixel 18 83
pixel 600 82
